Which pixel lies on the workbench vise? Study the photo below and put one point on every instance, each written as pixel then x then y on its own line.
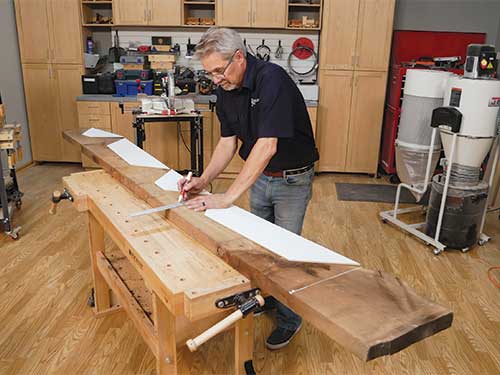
pixel 246 302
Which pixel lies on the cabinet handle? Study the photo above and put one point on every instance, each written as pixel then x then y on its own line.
pixel 249 17
pixel 253 20
pixel 150 15
pixel 145 15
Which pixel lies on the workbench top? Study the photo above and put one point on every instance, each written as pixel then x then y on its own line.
pixel 198 99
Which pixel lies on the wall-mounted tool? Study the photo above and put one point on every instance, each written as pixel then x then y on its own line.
pixel 116 51
pixel 279 51
pixel 190 49
pixel 303 49
pixel 263 52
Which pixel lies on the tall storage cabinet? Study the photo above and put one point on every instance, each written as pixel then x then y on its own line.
pixel 354 51
pixel 50 43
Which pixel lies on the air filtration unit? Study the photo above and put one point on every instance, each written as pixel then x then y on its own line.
pixel 467 125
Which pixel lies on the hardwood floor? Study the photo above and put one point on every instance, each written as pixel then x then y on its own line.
pixel 47 328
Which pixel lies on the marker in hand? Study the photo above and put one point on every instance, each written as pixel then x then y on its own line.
pixel 182 193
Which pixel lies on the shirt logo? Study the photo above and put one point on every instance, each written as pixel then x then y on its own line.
pixel 254 101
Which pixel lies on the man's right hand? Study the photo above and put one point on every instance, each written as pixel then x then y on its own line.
pixel 195 186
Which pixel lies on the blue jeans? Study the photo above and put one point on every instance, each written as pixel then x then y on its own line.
pixel 283 201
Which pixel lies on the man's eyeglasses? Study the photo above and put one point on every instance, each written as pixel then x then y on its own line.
pixel 221 74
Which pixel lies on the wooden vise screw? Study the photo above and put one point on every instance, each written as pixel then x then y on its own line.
pixel 57 196
pixel 246 302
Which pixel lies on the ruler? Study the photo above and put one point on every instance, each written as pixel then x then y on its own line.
pixel 157 209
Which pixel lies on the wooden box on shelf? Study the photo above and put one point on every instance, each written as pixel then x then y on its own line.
pixel 97 13
pixel 199 13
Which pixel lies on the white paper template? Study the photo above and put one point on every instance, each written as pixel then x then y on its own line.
pixel 274 238
pixel 169 181
pixel 135 155
pixel 98 133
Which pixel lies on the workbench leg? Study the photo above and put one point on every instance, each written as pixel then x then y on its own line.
pixel 101 288
pixel 243 344
pixel 164 322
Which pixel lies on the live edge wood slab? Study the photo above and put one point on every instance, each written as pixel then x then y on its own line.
pixel 371 313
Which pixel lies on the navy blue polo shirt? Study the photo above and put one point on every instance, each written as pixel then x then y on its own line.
pixel 268 104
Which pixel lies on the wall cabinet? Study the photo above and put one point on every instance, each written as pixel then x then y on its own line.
pixel 356 34
pixel 50 93
pixel 49 31
pixel 252 13
pixel 147 12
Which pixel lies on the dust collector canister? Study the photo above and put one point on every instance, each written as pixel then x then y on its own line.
pixel 462 214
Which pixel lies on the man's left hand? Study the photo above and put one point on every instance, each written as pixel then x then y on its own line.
pixel 204 202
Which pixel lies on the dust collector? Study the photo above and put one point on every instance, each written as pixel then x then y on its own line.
pixel 468 127
pixel 466 122
pixel 423 92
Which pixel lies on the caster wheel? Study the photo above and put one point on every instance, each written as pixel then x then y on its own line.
pixel 19 204
pixel 437 251
pixel 481 242
pixel 91 299
pixel 394 179
pixel 465 249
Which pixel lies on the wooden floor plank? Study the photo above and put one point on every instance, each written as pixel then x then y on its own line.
pixel 48 269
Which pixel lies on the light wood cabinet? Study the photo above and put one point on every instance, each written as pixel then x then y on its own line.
pixel 252 13
pixel 67 87
pixel 121 123
pixel 66 43
pixel 42 112
pixel 164 12
pixel 269 13
pixel 130 12
pixel 338 35
pixel 374 34
pixel 356 34
pixel 237 162
pixel 350 120
pixel 234 13
pixel 313 113
pixel 49 31
pixel 33 31
pixel 366 113
pixel 333 119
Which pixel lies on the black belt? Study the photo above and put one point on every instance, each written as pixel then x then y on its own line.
pixel 288 172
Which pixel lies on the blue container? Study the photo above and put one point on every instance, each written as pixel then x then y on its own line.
pixel 129 88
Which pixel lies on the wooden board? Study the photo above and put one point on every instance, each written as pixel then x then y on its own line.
pixel 369 312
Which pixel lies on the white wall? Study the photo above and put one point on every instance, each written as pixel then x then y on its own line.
pixel 11 80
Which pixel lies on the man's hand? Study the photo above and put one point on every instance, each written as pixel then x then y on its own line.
pixel 204 202
pixel 196 185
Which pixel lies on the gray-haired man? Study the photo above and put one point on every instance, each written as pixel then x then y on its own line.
pixel 259 104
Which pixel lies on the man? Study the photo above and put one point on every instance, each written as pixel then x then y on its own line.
pixel 259 104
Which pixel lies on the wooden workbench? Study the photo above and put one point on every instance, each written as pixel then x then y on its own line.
pixel 369 312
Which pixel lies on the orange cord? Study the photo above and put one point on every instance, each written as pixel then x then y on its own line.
pixel 490 276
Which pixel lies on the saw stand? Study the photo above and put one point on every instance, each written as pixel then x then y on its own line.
pixel 10 195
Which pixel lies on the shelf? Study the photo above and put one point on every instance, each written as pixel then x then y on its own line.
pixel 98 25
pixel 304 5
pixel 303 28
pixel 96 2
pixel 199 3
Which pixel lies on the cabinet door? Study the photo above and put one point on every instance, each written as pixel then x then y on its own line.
pixel 269 13
pixel 237 162
pixel 165 12
pixel 374 34
pixel 335 91
pixel 33 30
pixel 66 38
pixel 67 87
pixel 121 123
pixel 338 34
pixel 161 142
pixel 366 121
pixel 236 13
pixel 42 112
pixel 130 12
